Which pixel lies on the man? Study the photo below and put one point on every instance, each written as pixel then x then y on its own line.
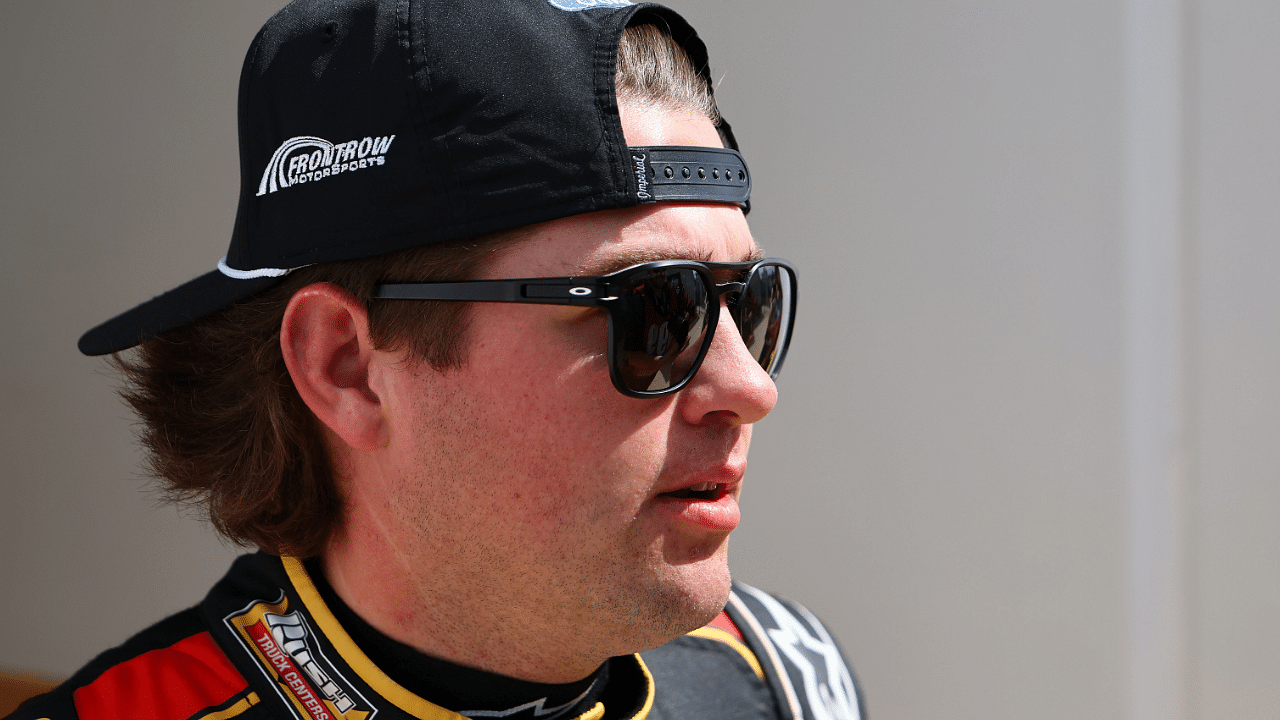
pixel 478 375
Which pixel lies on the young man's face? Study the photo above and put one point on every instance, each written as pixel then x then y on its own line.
pixel 525 481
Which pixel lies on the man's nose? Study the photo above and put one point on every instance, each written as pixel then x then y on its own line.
pixel 730 386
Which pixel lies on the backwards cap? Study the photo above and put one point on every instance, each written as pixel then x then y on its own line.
pixel 369 126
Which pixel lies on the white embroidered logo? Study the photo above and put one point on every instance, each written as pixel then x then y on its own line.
pixel 575 5
pixel 827 682
pixel 642 176
pixel 536 706
pixel 304 159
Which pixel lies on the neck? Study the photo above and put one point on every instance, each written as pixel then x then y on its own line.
pixel 442 607
pixel 465 690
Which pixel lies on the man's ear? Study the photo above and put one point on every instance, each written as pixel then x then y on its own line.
pixel 325 341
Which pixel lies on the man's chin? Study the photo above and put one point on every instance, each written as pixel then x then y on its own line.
pixel 692 596
pixel 708 583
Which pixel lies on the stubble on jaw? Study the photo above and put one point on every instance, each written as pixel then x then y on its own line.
pixel 609 602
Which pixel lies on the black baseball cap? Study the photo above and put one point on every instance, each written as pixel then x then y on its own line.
pixel 370 126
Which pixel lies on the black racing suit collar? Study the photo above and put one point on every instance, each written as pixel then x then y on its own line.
pixel 273 621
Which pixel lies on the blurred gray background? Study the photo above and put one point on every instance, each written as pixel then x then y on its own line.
pixel 1025 461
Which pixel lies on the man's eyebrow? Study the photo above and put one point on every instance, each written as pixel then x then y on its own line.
pixel 637 256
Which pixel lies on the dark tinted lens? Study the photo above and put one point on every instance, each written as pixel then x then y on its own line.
pixel 764 312
pixel 660 324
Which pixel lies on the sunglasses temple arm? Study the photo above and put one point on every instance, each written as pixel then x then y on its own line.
pixel 551 291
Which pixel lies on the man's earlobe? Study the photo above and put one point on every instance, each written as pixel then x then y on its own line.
pixel 324 337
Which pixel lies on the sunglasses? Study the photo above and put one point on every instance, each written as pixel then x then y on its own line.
pixel 662 315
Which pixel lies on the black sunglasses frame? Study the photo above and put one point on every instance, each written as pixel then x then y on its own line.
pixel 603 291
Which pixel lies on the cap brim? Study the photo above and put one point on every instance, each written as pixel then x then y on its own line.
pixel 184 304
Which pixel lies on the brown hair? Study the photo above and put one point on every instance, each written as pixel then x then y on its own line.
pixel 653 70
pixel 224 428
pixel 226 431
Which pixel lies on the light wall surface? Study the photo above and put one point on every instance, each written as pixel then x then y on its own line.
pixel 1025 462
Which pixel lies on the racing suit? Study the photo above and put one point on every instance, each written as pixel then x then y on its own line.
pixel 264 645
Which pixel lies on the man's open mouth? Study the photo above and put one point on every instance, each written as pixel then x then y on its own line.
pixel 700 491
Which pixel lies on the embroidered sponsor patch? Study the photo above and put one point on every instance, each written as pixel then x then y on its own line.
pixel 306 159
pixel 285 647
pixel 576 5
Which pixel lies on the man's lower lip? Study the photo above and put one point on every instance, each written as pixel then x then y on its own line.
pixel 720 515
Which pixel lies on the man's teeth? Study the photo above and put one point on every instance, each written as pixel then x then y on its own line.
pixel 702 490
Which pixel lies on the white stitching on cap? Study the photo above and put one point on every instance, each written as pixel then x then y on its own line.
pixel 251 274
pixel 579 5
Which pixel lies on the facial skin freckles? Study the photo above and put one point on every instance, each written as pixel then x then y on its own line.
pixel 524 501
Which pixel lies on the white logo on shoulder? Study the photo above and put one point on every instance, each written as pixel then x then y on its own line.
pixel 305 159
pixel 827 681
pixel 576 5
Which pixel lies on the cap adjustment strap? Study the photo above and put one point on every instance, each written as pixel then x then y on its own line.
pixel 692 174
